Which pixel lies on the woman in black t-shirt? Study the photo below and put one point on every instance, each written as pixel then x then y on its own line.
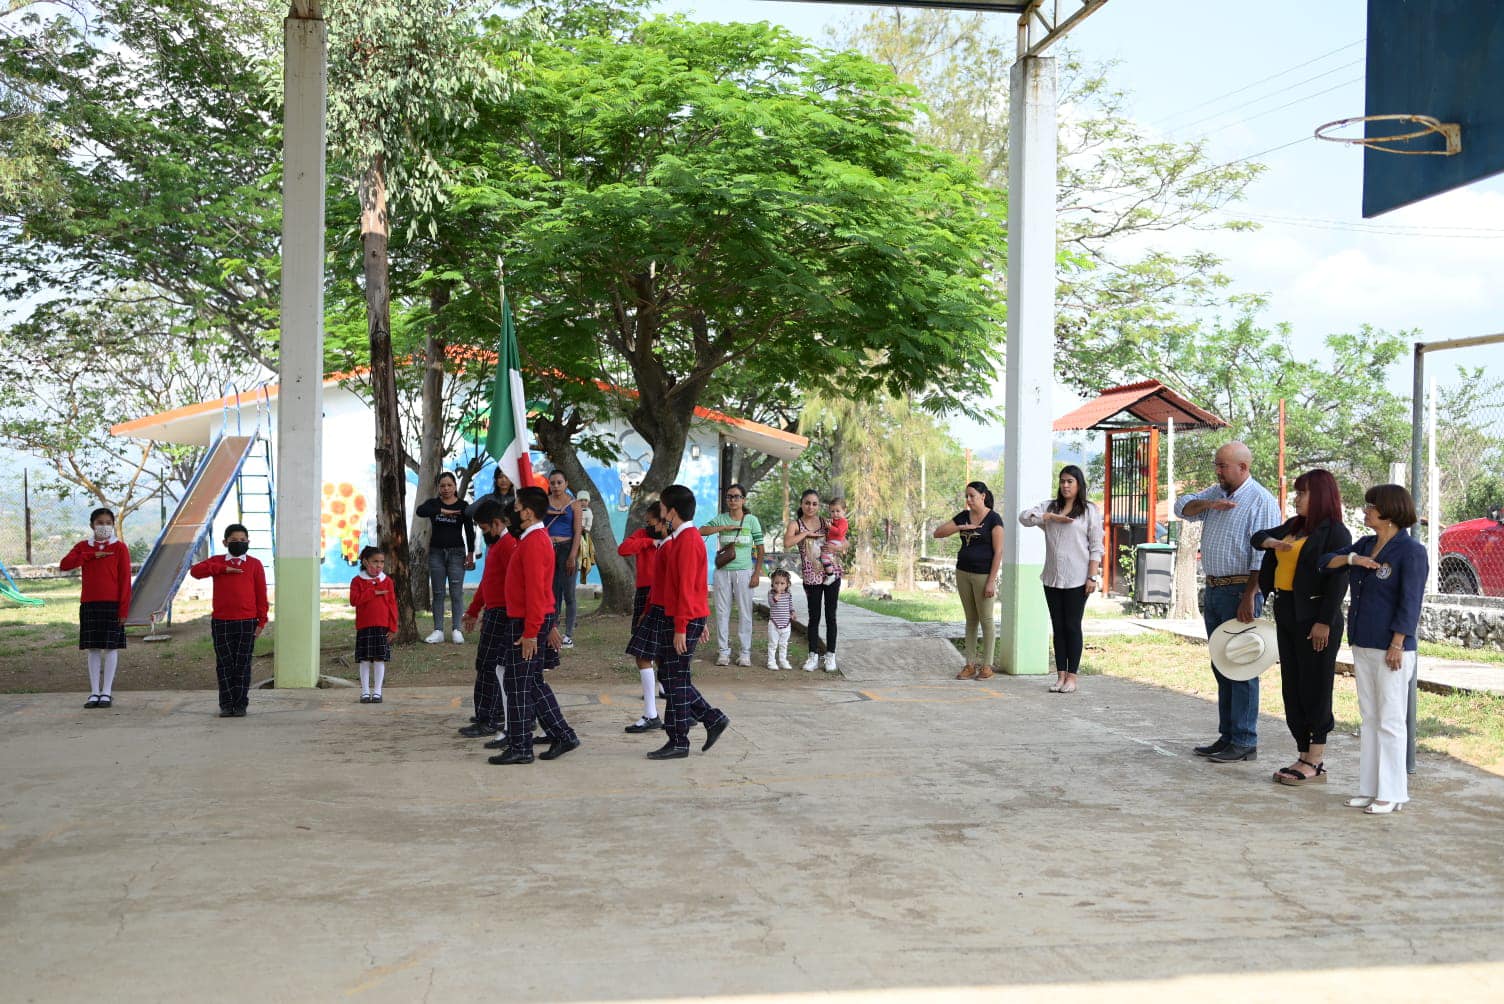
pixel 981 532
pixel 451 551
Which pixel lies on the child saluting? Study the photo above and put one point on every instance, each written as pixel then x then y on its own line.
pixel 375 604
pixel 239 615
pixel 103 603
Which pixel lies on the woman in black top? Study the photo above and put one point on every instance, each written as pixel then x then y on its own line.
pixel 981 531
pixel 1307 616
pixel 451 551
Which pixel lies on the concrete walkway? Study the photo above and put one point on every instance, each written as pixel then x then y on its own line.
pixel 1437 675
pixel 1030 847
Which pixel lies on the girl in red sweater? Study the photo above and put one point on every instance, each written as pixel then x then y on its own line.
pixel 104 602
pixel 375 603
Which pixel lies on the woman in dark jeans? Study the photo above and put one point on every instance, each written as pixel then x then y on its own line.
pixel 1307 617
pixel 807 532
pixel 563 527
pixel 451 552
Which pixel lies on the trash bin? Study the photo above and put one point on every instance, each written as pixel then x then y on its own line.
pixel 1154 573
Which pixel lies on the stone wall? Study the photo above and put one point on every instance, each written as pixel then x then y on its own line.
pixel 1471 622
pixel 943 572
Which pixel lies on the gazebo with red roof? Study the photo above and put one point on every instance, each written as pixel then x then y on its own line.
pixel 1136 413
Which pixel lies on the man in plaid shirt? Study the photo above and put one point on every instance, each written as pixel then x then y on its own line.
pixel 1232 511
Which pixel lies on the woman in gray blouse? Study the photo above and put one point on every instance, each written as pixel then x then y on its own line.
pixel 1072 568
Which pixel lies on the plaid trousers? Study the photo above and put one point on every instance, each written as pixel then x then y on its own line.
pixel 234 642
pixel 490 656
pixel 685 705
pixel 528 697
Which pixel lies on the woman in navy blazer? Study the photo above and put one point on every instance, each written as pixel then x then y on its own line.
pixel 1388 582
pixel 1307 617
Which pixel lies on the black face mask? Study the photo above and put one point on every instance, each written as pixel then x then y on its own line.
pixel 489 537
pixel 238 547
pixel 514 522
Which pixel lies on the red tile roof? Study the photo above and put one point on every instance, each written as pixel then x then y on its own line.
pixel 1148 402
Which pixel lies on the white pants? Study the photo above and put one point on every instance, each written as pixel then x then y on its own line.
pixel 778 643
pixel 1383 694
pixel 735 586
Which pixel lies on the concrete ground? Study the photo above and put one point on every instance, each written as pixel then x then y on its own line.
pixel 928 840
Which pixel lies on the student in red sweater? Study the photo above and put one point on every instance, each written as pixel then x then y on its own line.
pixel 681 592
pixel 375 602
pixel 643 547
pixel 239 615
pixel 533 639
pixel 490 607
pixel 104 602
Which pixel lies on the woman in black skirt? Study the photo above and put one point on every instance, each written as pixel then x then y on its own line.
pixel 104 603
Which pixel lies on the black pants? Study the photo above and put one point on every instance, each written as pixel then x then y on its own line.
pixel 1067 607
pixel 234 644
pixel 1305 675
pixel 490 657
pixel 816 598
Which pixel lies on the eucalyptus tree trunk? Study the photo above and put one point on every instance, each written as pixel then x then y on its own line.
pixel 391 477
pixel 431 438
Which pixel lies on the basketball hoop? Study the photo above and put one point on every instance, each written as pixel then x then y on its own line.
pixel 1451 132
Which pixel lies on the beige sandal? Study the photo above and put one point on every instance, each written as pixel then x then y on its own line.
pixel 969 673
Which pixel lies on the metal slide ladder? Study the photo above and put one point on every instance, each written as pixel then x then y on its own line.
pixel 192 521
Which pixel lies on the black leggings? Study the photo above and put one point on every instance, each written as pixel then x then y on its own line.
pixel 1067 607
pixel 1305 675
pixel 814 597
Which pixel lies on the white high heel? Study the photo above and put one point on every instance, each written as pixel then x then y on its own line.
pixel 1383 808
pixel 1359 802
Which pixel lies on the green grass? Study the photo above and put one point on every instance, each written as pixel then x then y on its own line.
pixel 1440 651
pixel 917 606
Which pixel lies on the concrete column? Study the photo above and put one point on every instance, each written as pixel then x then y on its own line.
pixel 1023 641
pixel 300 401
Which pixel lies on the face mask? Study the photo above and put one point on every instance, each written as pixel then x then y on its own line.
pixel 104 533
pixel 238 547
pixel 489 537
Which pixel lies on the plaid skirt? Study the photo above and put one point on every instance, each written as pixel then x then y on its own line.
pixel 372 645
pixel 512 637
pixel 640 604
pixel 99 625
pixel 648 635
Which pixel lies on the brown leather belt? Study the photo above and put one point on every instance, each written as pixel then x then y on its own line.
pixel 1214 581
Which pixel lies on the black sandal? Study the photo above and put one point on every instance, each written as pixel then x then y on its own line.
pixel 1298 778
pixel 92 702
pixel 104 701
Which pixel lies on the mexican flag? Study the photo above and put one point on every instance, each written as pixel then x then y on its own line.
pixel 507 439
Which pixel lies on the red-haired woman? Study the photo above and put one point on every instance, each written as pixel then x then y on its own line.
pixel 1307 616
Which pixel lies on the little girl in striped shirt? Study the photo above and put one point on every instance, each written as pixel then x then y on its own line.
pixel 780 620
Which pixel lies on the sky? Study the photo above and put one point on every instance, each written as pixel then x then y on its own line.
pixel 1435 266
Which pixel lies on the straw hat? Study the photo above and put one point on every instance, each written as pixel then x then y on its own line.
pixel 1243 651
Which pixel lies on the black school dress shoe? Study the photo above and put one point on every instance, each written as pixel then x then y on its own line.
pixel 497 744
pixel 238 713
pixel 227 712
pixel 645 725
pixel 1216 747
pixel 510 757
pixel 1232 754
pixel 479 729
pixel 669 752
pixel 713 732
pixel 559 748
pixel 93 702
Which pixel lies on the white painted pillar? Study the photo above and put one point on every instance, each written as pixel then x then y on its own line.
pixel 300 400
pixel 1028 455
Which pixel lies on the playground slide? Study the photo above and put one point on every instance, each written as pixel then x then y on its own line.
pixel 163 572
pixel 10 591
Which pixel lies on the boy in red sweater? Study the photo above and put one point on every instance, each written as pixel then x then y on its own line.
pixel 375 603
pixel 104 602
pixel 490 607
pixel 643 547
pixel 681 592
pixel 239 615
pixel 533 639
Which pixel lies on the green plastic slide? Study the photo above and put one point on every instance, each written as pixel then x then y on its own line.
pixel 16 596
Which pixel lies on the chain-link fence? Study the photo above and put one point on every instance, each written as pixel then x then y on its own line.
pixel 1460 434
pixel 37 526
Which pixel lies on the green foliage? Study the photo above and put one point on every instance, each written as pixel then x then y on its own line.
pixel 1469 446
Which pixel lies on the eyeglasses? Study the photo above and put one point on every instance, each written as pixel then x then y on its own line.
pixel 729 495
pixel 1370 505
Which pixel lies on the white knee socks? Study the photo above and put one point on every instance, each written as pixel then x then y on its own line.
pixel 95 658
pixel 649 693
pixel 111 660
pixel 365 678
pixel 380 668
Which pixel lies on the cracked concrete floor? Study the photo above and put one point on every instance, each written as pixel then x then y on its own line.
pixel 931 841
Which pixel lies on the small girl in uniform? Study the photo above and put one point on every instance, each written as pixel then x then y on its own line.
pixel 103 603
pixel 375 603
pixel 780 620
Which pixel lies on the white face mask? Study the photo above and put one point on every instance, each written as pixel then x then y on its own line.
pixel 104 533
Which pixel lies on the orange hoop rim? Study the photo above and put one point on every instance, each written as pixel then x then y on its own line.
pixel 1450 132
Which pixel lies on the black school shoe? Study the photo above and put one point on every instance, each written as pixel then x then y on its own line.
pixel 669 752
pixel 644 725
pixel 510 757
pixel 238 713
pixel 227 712
pixel 559 748
pixel 713 732
pixel 478 730
pixel 93 702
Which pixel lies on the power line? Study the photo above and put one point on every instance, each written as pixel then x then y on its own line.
pixel 1246 87
pixel 1364 227
pixel 1271 94
pixel 1278 108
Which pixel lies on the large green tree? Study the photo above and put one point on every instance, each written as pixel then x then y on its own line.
pixel 690 206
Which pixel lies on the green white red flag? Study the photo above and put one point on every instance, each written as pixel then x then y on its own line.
pixel 507 440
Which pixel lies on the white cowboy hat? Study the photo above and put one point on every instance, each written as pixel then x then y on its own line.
pixel 1243 651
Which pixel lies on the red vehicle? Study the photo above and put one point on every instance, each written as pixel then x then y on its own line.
pixel 1472 556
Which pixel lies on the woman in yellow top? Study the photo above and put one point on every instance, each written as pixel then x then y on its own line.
pixel 1307 617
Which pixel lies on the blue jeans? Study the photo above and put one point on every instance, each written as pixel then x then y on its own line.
pixel 1237 700
pixel 446 580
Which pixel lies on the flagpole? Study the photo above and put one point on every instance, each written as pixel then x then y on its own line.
pixel 501 276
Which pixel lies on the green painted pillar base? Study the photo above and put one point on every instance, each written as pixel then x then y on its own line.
pixel 1024 639
pixel 297 623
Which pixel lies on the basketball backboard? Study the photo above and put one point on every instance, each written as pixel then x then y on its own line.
pixel 1438 58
